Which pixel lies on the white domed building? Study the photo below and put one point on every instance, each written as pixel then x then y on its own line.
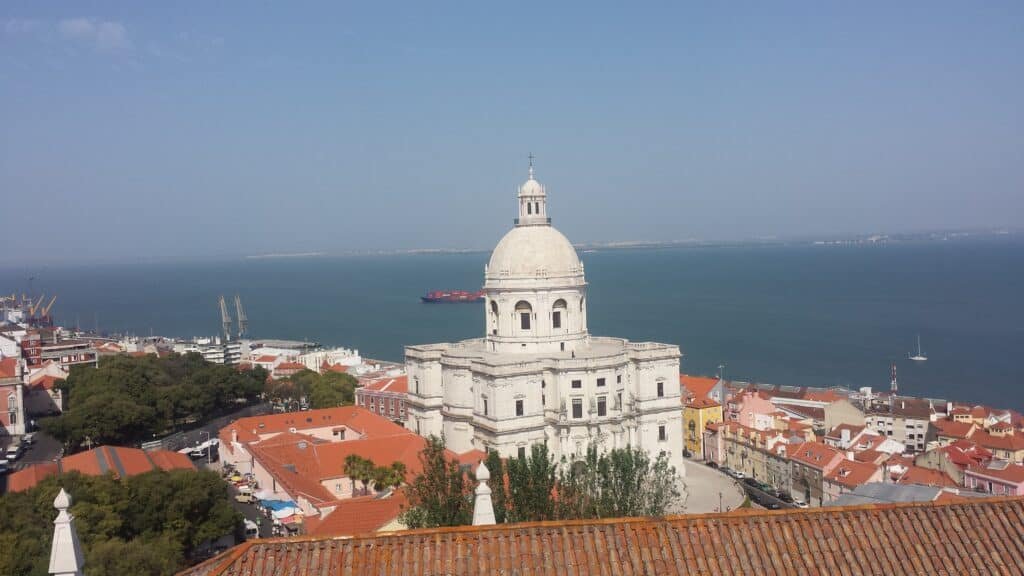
pixel 537 375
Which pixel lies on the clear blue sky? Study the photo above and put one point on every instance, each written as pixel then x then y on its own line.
pixel 143 130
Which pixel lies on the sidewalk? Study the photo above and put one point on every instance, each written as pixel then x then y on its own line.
pixel 705 487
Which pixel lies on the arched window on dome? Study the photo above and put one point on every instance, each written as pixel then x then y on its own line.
pixel 524 311
pixel 558 313
pixel 494 316
pixel 529 208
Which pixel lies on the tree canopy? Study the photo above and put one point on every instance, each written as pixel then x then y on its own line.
pixel 320 390
pixel 618 483
pixel 126 400
pixel 148 525
pixel 440 495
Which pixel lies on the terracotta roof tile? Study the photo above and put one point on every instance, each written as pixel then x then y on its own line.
pixel 116 460
pixel 926 477
pixel 358 516
pixel 951 429
pixel 851 473
pixel 398 384
pixel 697 386
pixel 980 536
pixel 360 419
pixel 1010 473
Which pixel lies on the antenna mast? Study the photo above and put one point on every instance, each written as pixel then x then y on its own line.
pixel 243 321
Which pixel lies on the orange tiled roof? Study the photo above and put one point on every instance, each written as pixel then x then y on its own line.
pixel 697 386
pixel 837 432
pixel 926 477
pixel 290 366
pixel 852 473
pixel 1011 473
pixel 1011 443
pixel 266 359
pixel 815 455
pixel 358 516
pixel 359 419
pixel 910 538
pixel 952 429
pixel 701 403
pixel 398 384
pixel 116 460
pixel 300 465
pixel 333 367
pixel 45 382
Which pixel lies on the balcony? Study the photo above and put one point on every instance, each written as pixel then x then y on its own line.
pixel 535 220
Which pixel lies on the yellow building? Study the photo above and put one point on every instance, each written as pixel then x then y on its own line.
pixel 698 413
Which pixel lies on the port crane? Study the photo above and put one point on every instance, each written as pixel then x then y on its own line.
pixel 225 318
pixel 243 321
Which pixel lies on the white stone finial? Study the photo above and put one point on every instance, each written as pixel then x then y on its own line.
pixel 531 165
pixel 66 557
pixel 483 508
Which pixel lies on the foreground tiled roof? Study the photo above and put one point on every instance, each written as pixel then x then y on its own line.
pixel 979 537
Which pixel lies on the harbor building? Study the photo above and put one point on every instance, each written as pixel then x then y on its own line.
pixel 538 376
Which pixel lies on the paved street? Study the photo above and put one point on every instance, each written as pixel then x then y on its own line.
pixel 706 486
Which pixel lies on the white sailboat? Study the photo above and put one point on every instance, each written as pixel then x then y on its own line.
pixel 919 357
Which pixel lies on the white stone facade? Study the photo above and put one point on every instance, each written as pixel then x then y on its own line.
pixel 537 375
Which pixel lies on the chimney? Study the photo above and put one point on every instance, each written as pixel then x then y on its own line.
pixel 234 436
pixel 949 408
pixel 844 434
pixel 65 553
pixel 483 509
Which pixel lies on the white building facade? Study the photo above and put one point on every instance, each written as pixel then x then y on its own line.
pixel 537 375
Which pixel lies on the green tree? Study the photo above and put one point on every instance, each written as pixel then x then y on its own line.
pixel 358 468
pixel 440 495
pixel 392 476
pixel 497 484
pixel 531 486
pixel 620 483
pixel 149 524
pixel 125 400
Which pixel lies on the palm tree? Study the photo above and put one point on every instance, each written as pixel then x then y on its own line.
pixel 357 468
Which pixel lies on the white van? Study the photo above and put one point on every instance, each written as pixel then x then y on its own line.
pixel 251 530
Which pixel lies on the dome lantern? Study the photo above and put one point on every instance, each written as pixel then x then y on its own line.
pixel 533 209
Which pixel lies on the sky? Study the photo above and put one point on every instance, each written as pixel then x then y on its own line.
pixel 164 130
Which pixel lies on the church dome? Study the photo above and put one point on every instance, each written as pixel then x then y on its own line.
pixel 531 188
pixel 532 251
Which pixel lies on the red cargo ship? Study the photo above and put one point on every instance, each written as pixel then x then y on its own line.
pixel 453 296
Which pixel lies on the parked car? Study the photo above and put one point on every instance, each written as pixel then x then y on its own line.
pixel 752 482
pixel 737 474
pixel 785 497
pixel 14 451
pixel 29 438
pixel 3 467
pixel 712 464
pixel 726 470
pixel 800 503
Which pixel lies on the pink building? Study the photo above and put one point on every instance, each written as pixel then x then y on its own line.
pixel 751 408
pixel 1000 477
